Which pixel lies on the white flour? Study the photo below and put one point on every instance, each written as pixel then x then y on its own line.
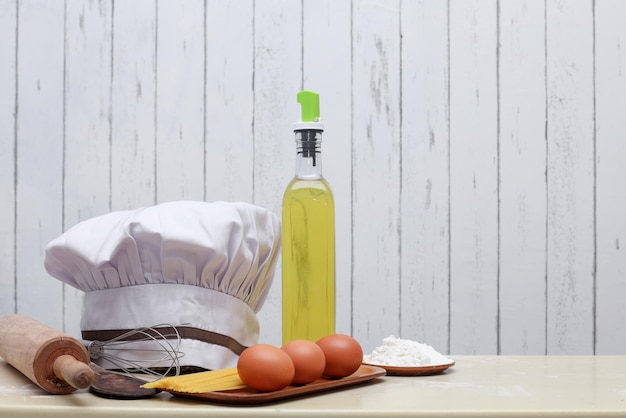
pixel 405 353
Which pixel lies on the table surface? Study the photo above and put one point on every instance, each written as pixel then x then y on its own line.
pixel 476 386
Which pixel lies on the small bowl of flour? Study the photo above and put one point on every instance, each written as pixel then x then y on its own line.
pixel 403 357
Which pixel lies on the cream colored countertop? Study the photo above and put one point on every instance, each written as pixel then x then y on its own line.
pixel 476 386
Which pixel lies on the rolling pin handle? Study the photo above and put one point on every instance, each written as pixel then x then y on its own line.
pixel 76 373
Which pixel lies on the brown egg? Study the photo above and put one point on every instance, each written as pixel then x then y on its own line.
pixel 308 359
pixel 265 368
pixel 343 354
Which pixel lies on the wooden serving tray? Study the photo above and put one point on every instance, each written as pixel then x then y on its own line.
pixel 249 396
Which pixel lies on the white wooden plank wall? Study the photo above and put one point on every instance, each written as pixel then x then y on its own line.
pixel 425 205
pixel 522 177
pixel 473 176
pixel 570 176
pixel 475 149
pixel 610 194
pixel 8 88
pixel 376 167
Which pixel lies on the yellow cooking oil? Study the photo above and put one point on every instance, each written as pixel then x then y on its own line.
pixel 308 260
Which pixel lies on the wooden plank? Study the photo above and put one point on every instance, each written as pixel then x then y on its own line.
pixel 39 156
pixel 277 58
pixel 376 171
pixel 87 171
pixel 610 62
pixel 473 177
pixel 133 165
pixel 8 109
pixel 180 100
pixel 570 174
pixel 327 70
pixel 522 111
pixel 229 100
pixel 425 173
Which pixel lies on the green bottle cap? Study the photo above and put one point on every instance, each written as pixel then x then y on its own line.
pixel 310 106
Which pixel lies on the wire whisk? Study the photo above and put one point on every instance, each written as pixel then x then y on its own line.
pixel 166 350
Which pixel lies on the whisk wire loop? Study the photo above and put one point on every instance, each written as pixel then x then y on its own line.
pixel 167 350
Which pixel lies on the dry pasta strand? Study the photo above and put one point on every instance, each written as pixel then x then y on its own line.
pixel 210 381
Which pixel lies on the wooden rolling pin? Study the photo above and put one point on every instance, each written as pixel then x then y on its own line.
pixel 56 362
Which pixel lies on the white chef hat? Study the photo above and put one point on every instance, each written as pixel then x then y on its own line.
pixel 204 268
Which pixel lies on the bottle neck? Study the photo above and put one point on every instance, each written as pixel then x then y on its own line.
pixel 309 154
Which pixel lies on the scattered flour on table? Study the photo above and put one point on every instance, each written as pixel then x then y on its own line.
pixel 405 353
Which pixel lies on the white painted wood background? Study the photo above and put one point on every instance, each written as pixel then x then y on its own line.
pixel 475 148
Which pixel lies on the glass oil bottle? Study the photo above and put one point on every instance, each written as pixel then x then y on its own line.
pixel 308 235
